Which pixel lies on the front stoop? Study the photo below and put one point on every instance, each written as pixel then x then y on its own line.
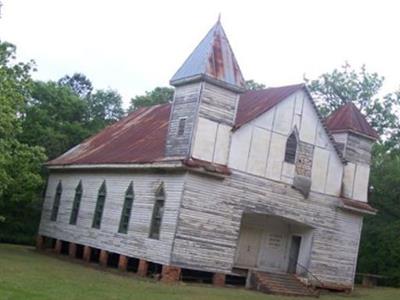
pixel 280 284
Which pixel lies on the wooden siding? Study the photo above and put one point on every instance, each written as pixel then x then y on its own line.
pixel 136 242
pixel 185 106
pixel 209 224
pixel 218 104
pixel 258 147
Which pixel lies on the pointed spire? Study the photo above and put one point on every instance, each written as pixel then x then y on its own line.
pixel 212 60
pixel 349 118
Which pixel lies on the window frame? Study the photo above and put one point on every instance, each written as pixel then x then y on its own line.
pixel 290 153
pixel 100 203
pixel 158 213
pixel 127 209
pixel 181 126
pixel 76 204
pixel 56 202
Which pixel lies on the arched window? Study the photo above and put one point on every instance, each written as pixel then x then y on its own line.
pixel 127 209
pixel 76 204
pixel 291 147
pixel 98 212
pixel 56 203
pixel 158 212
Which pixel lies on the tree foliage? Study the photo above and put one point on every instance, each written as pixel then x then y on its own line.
pixel 105 107
pixel 252 85
pixel 159 95
pixel 79 83
pixel 55 118
pixel 20 181
pixel 332 90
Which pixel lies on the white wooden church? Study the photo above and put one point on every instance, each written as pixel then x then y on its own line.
pixel 223 182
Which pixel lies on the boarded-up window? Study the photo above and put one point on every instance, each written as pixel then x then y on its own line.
pixel 98 212
pixel 56 203
pixel 181 126
pixel 76 204
pixel 126 210
pixel 158 212
pixel 291 147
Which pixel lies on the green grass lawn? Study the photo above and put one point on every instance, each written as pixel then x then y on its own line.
pixel 27 274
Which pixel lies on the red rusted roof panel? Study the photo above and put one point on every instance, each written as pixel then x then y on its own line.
pixel 358 205
pixel 254 103
pixel 349 118
pixel 138 138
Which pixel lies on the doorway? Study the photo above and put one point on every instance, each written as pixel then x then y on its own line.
pixel 294 253
pixel 249 244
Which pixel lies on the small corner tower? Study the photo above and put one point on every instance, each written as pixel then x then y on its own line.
pixel 355 138
pixel 207 89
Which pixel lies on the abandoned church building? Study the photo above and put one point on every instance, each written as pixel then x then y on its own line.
pixel 222 182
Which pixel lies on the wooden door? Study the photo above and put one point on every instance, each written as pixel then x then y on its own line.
pixel 249 244
pixel 294 253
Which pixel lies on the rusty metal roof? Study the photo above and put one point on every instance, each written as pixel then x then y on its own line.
pixel 349 118
pixel 138 138
pixel 254 103
pixel 212 59
pixel 358 205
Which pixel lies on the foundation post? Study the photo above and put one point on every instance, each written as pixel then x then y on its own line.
pixel 57 247
pixel 123 263
pixel 219 279
pixel 40 242
pixel 142 268
pixel 72 250
pixel 86 253
pixel 103 258
pixel 170 274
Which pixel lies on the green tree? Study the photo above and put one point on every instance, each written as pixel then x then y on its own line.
pixel 332 90
pixel 20 164
pixel 252 85
pixel 380 246
pixel 105 108
pixel 79 83
pixel 55 118
pixel 159 95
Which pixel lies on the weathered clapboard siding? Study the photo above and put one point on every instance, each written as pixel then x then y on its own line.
pixel 185 106
pixel 218 104
pixel 258 147
pixel 136 242
pixel 357 150
pixel 209 224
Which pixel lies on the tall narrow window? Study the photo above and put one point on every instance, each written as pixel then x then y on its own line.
pixel 291 147
pixel 158 212
pixel 76 204
pixel 98 212
pixel 181 126
pixel 56 203
pixel 126 210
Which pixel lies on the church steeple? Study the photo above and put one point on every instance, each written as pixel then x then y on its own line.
pixel 212 61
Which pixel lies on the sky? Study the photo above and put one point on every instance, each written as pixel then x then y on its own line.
pixel 134 46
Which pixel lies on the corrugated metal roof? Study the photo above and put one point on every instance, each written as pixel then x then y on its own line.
pixel 349 118
pixel 254 103
pixel 138 138
pixel 212 58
